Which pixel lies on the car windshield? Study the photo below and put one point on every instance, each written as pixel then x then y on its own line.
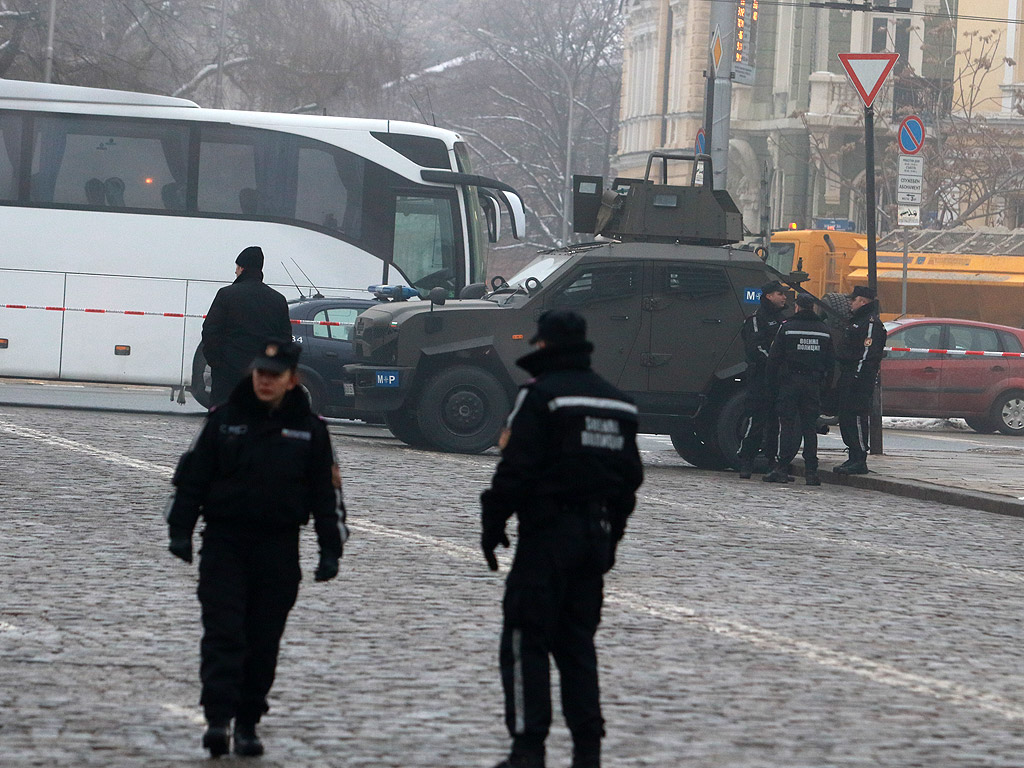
pixel 541 268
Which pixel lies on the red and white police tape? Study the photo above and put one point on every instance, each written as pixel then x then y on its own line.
pixel 965 352
pixel 139 313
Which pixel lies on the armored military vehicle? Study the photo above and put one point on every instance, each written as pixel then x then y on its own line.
pixel 664 294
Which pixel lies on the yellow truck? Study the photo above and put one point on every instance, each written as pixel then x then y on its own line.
pixel 951 282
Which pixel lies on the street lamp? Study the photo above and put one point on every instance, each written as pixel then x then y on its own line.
pixel 218 93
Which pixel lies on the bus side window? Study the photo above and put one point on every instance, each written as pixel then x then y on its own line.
pixel 133 160
pixel 329 189
pixel 10 143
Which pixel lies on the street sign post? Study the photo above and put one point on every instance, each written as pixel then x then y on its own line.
pixel 867 72
pixel 909 188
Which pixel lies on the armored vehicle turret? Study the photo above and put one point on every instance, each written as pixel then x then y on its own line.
pixel 665 293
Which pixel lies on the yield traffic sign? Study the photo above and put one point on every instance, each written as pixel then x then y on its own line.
pixel 868 71
pixel 911 135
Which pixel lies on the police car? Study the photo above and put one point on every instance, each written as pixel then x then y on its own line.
pixel 324 327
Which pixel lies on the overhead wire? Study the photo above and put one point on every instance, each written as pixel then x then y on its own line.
pixel 860 7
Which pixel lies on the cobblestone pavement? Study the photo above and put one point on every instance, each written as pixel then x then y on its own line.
pixel 746 624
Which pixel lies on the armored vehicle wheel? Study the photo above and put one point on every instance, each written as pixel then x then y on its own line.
pixel 839 302
pixel 314 393
pixel 462 410
pixel 200 386
pixel 403 426
pixel 982 425
pixel 694 451
pixel 729 422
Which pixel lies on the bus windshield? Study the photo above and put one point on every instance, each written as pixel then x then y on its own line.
pixel 474 219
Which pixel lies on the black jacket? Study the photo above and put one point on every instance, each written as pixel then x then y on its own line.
pixel 758 333
pixel 255 470
pixel 802 346
pixel 571 442
pixel 242 317
pixel 862 342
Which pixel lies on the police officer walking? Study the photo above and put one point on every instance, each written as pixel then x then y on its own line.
pixel 569 469
pixel 799 361
pixel 261 465
pixel 861 349
pixel 240 318
pixel 758 333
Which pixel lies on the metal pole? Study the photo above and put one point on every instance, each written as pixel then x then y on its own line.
pixel 869 162
pixel 906 252
pixel 875 425
pixel 567 187
pixel 217 96
pixel 48 67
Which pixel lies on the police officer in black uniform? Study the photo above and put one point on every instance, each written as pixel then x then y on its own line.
pixel 569 469
pixel 240 318
pixel 758 333
pixel 261 465
pixel 861 349
pixel 799 361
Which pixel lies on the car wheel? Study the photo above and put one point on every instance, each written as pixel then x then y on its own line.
pixel 403 426
pixel 202 383
pixel 981 424
pixel 1008 413
pixel 314 393
pixel 693 450
pixel 462 410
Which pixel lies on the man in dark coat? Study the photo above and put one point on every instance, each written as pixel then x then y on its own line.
pixel 762 426
pixel 569 469
pixel 260 467
pixel 861 349
pixel 799 361
pixel 241 317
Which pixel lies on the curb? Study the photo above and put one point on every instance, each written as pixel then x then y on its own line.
pixel 916 489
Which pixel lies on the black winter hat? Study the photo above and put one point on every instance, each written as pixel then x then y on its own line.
pixel 865 291
pixel 773 287
pixel 278 356
pixel 560 327
pixel 805 301
pixel 250 258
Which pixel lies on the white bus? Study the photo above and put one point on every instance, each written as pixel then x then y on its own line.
pixel 121 215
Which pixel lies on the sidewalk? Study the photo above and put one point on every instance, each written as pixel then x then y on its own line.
pixel 989 478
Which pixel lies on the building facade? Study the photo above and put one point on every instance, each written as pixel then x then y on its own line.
pixel 796 149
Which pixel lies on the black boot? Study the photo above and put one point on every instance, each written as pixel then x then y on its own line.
pixel 746 468
pixel 586 758
pixel 853 467
pixel 216 738
pixel 777 475
pixel 811 477
pixel 247 743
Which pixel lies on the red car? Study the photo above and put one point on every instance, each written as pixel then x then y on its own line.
pixel 987 391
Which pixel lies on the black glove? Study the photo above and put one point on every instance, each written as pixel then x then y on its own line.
pixel 181 545
pixel 327 569
pixel 489 540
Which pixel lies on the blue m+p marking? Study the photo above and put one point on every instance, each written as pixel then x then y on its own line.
pixel 387 378
pixel 751 295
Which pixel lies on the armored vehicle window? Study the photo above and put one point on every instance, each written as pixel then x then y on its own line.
pixel 693 281
pixel 595 283
pixel 343 332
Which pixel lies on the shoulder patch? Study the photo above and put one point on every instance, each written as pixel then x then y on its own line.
pixel 867 342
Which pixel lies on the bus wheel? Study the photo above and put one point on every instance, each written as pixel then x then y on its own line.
pixel 403 426
pixel 201 380
pixel 462 410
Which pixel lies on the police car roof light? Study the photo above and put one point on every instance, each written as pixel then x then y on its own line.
pixel 393 292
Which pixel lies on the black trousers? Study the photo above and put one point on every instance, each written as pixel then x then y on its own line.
pixel 247 585
pixel 762 426
pixel 223 381
pixel 552 608
pixel 854 409
pixel 799 406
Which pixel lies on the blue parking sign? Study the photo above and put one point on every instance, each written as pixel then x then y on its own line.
pixel 387 378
